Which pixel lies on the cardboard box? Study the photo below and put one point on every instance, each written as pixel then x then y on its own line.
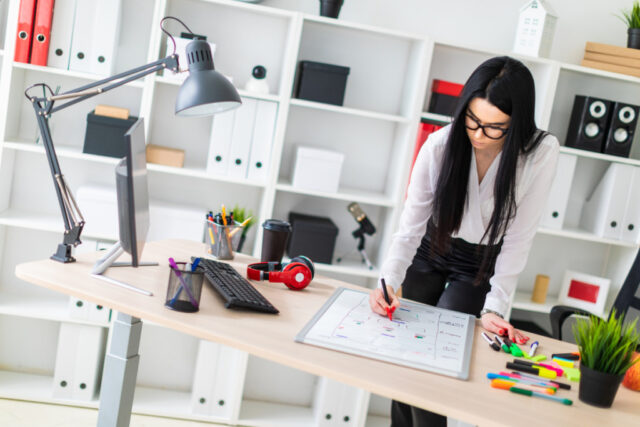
pixel 165 156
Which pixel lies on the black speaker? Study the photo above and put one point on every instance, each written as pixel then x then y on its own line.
pixel 589 123
pixel 624 119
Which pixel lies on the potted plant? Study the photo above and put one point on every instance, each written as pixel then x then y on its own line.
pixel 632 19
pixel 330 8
pixel 606 352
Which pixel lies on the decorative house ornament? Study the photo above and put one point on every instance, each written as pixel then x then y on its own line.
pixel 536 26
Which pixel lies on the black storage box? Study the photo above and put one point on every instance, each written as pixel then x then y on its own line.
pixel 105 135
pixel 321 82
pixel 312 236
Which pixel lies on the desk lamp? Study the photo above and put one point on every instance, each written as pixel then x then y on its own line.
pixel 204 92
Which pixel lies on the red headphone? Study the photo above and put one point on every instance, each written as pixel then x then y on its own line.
pixel 296 275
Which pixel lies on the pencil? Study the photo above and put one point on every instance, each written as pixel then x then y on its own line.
pixel 226 229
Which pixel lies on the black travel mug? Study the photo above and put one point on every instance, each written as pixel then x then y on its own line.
pixel 330 8
pixel 274 239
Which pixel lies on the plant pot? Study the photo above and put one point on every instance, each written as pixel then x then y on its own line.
pixel 598 388
pixel 633 38
pixel 330 8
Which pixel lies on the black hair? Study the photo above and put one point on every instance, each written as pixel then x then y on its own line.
pixel 507 84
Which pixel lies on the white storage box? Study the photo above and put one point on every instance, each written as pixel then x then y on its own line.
pixel 317 169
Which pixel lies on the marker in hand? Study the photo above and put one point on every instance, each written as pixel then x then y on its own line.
pixel 386 298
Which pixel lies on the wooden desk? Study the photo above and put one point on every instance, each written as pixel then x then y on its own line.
pixel 271 337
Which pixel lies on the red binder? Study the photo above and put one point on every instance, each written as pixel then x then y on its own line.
pixel 25 30
pixel 424 131
pixel 41 32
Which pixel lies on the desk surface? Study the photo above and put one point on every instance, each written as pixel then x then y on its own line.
pixel 272 337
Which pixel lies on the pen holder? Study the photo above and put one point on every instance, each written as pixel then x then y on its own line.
pixel 222 239
pixel 183 292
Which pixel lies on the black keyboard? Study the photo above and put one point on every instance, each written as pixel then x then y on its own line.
pixel 235 289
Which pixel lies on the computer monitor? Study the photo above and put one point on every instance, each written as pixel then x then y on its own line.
pixel 133 207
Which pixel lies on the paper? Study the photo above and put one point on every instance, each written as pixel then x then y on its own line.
pixel 419 336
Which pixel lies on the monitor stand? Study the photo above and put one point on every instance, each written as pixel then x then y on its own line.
pixel 108 260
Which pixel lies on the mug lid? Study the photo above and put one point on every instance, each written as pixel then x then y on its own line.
pixel 276 225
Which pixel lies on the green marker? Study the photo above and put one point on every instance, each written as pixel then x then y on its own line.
pixel 502 344
pixel 515 350
pixel 562 400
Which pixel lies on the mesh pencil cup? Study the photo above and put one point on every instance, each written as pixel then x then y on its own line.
pixel 222 239
pixel 184 289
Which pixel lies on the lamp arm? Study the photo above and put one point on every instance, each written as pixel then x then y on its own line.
pixel 43 107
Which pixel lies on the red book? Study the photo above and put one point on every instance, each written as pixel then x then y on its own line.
pixel 41 32
pixel 25 30
pixel 424 131
pixel 446 88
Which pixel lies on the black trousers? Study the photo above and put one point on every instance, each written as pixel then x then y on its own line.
pixel 425 282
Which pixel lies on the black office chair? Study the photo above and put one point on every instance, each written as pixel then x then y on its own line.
pixel 627 305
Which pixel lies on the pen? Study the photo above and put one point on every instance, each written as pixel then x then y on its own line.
pixel 535 377
pixel 242 224
pixel 536 370
pixel 507 384
pixel 225 223
pixel 536 394
pixel 491 342
pixel 527 381
pixel 568 356
pixel 386 298
pixel 558 371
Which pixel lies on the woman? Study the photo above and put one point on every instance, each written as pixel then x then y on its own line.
pixel 474 201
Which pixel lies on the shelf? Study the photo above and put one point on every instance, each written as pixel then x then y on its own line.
pixel 585 235
pixel 76 153
pixel 522 301
pixel 345 110
pixel 433 117
pixel 43 222
pixel 377 421
pixel 18 385
pixel 366 197
pixel 265 414
pixel 73 74
pixel 38 307
pixel 600 156
pixel 243 93
pixel 167 403
pixel 360 27
pixel 598 73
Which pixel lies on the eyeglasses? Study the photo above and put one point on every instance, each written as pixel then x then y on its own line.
pixel 490 131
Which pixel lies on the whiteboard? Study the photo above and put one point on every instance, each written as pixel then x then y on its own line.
pixel 420 336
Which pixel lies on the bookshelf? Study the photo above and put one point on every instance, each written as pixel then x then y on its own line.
pixel 375 129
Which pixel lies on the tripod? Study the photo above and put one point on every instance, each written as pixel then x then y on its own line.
pixel 359 234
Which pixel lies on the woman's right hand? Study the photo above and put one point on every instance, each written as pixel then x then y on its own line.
pixel 379 305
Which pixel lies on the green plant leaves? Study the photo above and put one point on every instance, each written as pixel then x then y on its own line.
pixel 606 345
pixel 631 17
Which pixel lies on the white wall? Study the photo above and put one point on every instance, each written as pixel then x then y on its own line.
pixel 488 24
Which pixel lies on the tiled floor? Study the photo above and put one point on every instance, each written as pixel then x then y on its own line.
pixel 18 413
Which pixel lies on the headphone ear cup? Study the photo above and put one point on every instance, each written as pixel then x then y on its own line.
pixel 296 275
pixel 306 261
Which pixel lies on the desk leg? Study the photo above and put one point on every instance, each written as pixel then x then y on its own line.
pixel 120 371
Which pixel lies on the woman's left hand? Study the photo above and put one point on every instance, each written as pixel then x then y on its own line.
pixel 494 323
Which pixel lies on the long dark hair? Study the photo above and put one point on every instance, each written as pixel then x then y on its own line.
pixel 508 84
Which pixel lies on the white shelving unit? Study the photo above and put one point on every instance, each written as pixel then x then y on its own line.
pixel 375 129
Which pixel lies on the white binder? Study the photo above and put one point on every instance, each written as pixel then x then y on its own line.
pixel 603 213
pixel 263 128
pixel 106 29
pixel 220 143
pixel 217 384
pixel 95 36
pixel 242 136
pixel 79 360
pixel 631 223
pixel 79 59
pixel 338 404
pixel 61 33
pixel 553 215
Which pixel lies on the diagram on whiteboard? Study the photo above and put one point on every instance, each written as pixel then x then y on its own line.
pixel 419 335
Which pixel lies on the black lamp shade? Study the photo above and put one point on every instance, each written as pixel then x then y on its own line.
pixel 205 91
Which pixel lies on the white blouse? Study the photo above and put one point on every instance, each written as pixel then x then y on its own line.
pixel 534 175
